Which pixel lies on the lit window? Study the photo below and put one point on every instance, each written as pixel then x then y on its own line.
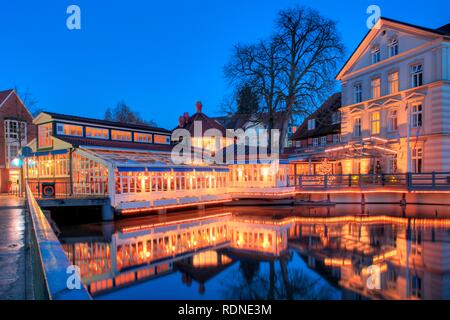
pixel 375 123
pixel 45 135
pixel 417 160
pixel 161 139
pixel 143 137
pixel 69 129
pixel 376 55
pixel 315 142
pixel 416 75
pixel 323 141
pixel 376 88
pixel 393 82
pixel 357 127
pixel 392 121
pixel 393 48
pixel 97 133
pixel 358 93
pixel 121 135
pixel 416 116
pixel 311 124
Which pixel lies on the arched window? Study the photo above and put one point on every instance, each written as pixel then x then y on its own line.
pixel 376 54
pixel 392 121
pixel 393 47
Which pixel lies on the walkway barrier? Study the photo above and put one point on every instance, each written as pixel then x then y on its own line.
pixel 406 181
pixel 50 264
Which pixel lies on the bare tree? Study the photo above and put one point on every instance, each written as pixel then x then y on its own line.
pixel 124 114
pixel 293 70
pixel 258 66
pixel 312 49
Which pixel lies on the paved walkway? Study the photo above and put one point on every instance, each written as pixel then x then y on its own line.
pixel 12 248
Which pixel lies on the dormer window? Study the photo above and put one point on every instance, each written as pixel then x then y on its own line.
pixel 376 55
pixel 393 47
pixel 311 124
pixel 335 117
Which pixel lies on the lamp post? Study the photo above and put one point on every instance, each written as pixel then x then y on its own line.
pixel 408 139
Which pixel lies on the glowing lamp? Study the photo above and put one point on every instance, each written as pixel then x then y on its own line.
pixel 16 162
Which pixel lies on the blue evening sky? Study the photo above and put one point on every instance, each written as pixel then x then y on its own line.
pixel 158 56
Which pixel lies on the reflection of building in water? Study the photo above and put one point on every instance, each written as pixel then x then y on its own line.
pixel 413 260
pixel 192 245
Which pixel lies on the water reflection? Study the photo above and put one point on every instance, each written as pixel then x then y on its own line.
pixel 256 254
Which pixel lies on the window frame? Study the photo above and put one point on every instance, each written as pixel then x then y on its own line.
pixel 392 81
pixel 311 124
pixel 375 54
pixel 393 47
pixel 375 121
pixel 357 93
pixel 393 120
pixel 416 72
pixel 372 81
pixel 416 115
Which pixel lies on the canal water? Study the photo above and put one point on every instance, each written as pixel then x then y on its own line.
pixel 341 252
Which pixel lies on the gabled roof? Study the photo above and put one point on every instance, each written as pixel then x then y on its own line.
pixel 441 31
pixel 60 116
pixel 207 123
pixel 323 117
pixel 4 94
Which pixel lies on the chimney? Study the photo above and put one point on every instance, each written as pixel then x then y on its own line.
pixel 186 117
pixel 181 121
pixel 198 107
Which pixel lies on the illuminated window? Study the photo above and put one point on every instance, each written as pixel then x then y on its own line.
pixel 375 123
pixel 357 127
pixel 416 116
pixel 376 88
pixel 393 82
pixel 143 137
pixel 392 121
pixel 45 135
pixel 69 129
pixel 161 139
pixel 97 133
pixel 416 75
pixel 121 135
pixel 393 47
pixel 376 55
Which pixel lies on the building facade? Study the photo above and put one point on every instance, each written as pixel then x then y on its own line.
pixel 396 101
pixel 319 132
pixel 16 130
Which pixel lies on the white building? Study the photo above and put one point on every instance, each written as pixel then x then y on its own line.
pixel 395 92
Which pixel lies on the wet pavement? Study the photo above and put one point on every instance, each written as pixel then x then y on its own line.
pixel 12 248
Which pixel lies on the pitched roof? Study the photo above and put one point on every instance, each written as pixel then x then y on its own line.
pixel 207 123
pixel 106 122
pixel 77 141
pixel 4 94
pixel 442 31
pixel 323 117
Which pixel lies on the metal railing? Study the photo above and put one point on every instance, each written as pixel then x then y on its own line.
pixel 49 261
pixel 407 181
pixel 67 190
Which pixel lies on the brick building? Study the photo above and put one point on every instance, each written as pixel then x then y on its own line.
pixel 16 130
